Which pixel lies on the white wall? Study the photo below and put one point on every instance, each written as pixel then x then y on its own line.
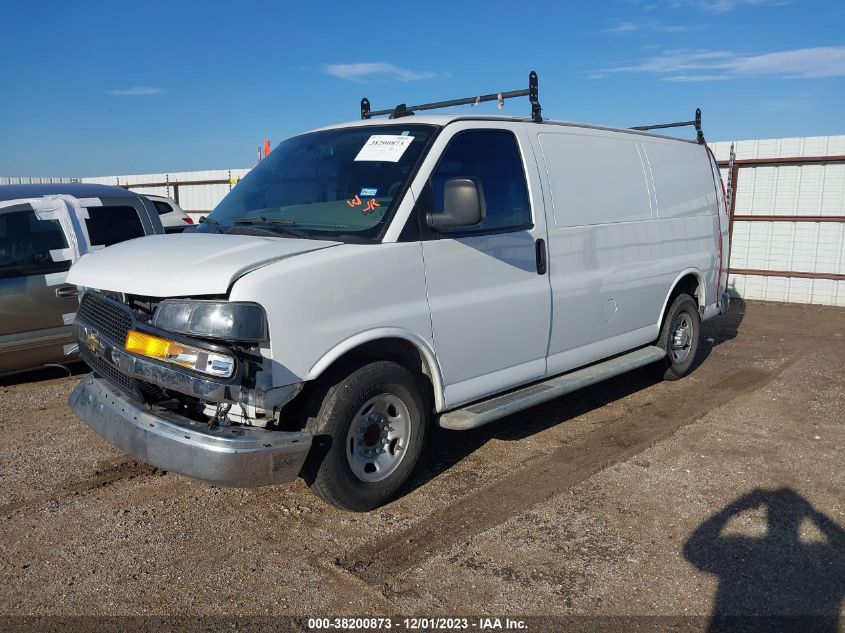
pixel 197 200
pixel 815 247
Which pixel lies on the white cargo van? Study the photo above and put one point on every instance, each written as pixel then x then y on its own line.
pixel 369 279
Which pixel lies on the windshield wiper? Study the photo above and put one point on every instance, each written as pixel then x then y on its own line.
pixel 279 224
pixel 210 222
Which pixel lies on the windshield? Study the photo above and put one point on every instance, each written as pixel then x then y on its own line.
pixel 334 184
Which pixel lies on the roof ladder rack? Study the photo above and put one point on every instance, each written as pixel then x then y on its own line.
pixel 403 110
pixel 696 123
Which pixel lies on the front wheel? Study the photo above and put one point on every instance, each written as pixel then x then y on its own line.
pixel 679 336
pixel 369 431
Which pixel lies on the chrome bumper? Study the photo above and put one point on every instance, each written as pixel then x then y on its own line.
pixel 229 456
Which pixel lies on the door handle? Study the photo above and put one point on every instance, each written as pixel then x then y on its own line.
pixel 66 292
pixel 540 246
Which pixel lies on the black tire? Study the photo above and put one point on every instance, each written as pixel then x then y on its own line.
pixel 335 407
pixel 670 367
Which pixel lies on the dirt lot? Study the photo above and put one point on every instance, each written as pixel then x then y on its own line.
pixel 719 493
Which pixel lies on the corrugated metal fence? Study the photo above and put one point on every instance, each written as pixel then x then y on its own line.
pixel 788 218
pixel 788 213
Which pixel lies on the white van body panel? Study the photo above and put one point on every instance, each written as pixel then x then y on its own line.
pixel 318 301
pixel 489 307
pixel 183 264
pixel 479 347
pixel 620 237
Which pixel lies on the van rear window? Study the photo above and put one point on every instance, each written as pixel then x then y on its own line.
pixel 109 225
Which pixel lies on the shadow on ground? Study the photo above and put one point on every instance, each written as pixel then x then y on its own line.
pixel 453 446
pixel 46 372
pixel 782 581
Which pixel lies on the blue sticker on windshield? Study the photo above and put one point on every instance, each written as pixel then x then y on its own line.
pixel 368 192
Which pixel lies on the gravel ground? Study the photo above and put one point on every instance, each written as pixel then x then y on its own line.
pixel 721 493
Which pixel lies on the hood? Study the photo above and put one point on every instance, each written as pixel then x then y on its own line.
pixel 183 264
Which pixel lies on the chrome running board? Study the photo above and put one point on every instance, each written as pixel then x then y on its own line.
pixel 497 407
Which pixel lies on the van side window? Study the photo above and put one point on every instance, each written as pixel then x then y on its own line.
pixel 25 245
pixel 110 225
pixel 492 159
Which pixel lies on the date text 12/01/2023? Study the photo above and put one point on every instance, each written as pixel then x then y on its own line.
pixel 418 623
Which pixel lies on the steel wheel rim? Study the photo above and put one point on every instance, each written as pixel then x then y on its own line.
pixel 378 437
pixel 681 338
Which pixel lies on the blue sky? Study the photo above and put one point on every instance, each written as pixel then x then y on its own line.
pixel 102 88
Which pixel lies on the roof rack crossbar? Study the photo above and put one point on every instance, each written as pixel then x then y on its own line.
pixel 696 123
pixel 403 110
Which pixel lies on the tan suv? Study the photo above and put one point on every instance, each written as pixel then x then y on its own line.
pixel 43 230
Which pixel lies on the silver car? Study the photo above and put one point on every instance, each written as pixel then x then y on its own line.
pixel 43 230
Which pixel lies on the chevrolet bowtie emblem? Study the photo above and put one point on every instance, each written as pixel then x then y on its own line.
pixel 92 341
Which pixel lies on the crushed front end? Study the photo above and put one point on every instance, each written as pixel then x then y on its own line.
pixel 195 398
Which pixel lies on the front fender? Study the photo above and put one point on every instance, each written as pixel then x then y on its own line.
pixel 422 345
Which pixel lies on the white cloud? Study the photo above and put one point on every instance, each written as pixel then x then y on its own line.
pixel 674 61
pixel 682 78
pixel 706 65
pixel 723 6
pixel 623 27
pixel 136 91
pixel 710 6
pixel 374 71
pixel 650 26
pixel 822 61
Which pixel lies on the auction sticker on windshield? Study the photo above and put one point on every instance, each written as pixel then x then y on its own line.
pixel 384 147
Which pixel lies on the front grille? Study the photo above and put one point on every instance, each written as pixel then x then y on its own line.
pixel 109 318
pixel 112 321
pixel 151 392
pixel 111 373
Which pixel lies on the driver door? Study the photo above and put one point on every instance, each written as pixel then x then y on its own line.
pixel 488 292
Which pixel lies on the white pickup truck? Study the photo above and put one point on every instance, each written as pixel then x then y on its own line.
pixel 369 279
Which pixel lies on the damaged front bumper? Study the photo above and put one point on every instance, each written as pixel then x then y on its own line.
pixel 101 330
pixel 227 456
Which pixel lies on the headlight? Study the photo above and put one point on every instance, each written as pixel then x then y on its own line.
pixel 213 319
pixel 188 356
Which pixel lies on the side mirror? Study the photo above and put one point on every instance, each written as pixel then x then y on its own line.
pixel 463 205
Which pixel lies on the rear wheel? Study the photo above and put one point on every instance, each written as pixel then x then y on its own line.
pixel 369 429
pixel 679 337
